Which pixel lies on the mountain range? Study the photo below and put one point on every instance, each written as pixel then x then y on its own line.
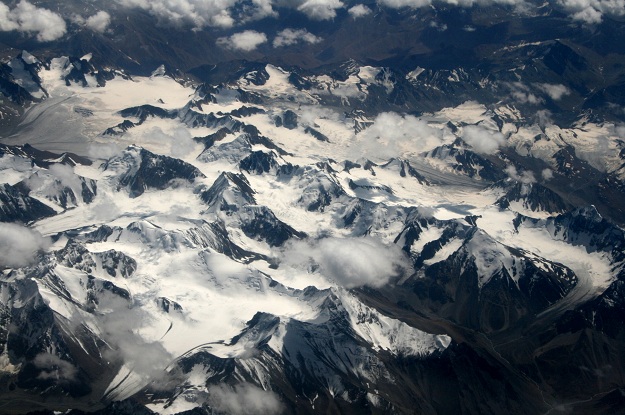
pixel 312 207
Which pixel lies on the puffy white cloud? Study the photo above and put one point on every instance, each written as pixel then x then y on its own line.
pixel 197 13
pixel 203 13
pixel 359 10
pixel 288 37
pixel 547 174
pixel 244 399
pixel 350 262
pixel 592 11
pixel 19 245
pixel 262 9
pixel 28 18
pixel 320 9
pixel 588 15
pixel 555 91
pixel 525 177
pixel 394 135
pixel 483 140
pixel 245 41
pixel 6 21
pixel 99 22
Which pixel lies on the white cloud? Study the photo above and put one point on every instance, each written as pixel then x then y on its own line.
pixel 66 175
pixel 178 139
pixel 547 174
pixel 483 140
pixel 221 19
pixel 19 245
pixel 350 262
pixel 525 177
pixel 593 11
pixel 262 9
pixel 103 150
pixel 245 41
pixel 105 208
pixel 288 37
pixel 441 27
pixel 204 13
pixel 121 328
pixel 544 118
pixel 197 13
pixel 53 367
pixel 589 16
pixel 555 91
pixel 359 10
pixel 28 18
pixel 45 184
pixel 587 11
pixel 320 9
pixel 394 135
pixel 415 4
pixel 6 21
pixel 397 4
pixel 244 399
pixel 522 93
pixel 595 151
pixel 309 114
pixel 99 22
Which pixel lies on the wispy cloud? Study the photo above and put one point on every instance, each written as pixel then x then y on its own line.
pixel 522 94
pixel 19 245
pixel 243 399
pixel 554 91
pixel 121 324
pixel 53 367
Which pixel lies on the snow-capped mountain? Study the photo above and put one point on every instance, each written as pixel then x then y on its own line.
pixel 431 233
